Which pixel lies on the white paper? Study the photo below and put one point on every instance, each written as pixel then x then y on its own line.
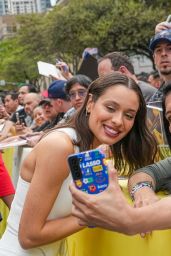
pixel 47 69
pixel 1 127
pixel 12 143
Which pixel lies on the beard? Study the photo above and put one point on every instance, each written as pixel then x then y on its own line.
pixel 165 72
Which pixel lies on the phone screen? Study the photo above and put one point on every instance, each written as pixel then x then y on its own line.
pixel 89 171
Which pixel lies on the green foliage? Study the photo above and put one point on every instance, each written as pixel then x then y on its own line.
pixel 109 25
pixel 19 55
pixel 64 32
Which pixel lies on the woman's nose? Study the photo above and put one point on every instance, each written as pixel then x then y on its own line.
pixel 117 119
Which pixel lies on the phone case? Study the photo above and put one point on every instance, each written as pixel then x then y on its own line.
pixel 89 171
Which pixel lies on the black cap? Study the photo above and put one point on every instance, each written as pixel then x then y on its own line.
pixel 164 35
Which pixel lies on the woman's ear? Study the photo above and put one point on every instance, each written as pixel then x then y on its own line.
pixel 89 103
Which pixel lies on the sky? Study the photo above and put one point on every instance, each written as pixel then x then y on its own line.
pixel 53 2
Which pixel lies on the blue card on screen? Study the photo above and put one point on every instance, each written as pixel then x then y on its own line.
pixel 89 171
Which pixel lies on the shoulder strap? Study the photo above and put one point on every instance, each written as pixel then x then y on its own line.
pixel 72 134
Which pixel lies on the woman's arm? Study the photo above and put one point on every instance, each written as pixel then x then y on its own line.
pixel 51 169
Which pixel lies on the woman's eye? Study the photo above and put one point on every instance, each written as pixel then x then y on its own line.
pixel 129 116
pixel 110 108
pixel 169 119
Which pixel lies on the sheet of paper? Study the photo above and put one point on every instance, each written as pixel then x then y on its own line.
pixel 47 69
pixel 13 143
pixel 1 127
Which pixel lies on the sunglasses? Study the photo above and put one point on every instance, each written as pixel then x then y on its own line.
pixel 80 93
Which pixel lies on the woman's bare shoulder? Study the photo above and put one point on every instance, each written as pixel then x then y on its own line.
pixel 49 153
pixel 56 140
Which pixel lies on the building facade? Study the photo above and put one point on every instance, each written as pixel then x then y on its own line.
pixel 3 7
pixel 8 26
pixel 14 7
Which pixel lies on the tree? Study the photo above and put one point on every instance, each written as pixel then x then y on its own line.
pixel 64 32
pixel 109 25
pixel 20 54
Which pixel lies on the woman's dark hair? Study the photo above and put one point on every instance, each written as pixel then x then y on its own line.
pixel 83 80
pixel 138 148
pixel 166 92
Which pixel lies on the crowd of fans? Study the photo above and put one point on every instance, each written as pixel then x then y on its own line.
pixel 28 112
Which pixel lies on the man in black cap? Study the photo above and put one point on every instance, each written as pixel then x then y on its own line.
pixel 58 103
pixel 59 99
pixel 160 45
pixel 50 114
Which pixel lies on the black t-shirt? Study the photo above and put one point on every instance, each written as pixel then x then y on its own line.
pixel 49 125
pixel 42 127
pixel 22 116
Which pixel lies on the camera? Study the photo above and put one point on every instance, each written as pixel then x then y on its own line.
pixel 75 166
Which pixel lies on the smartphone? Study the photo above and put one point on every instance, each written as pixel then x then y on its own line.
pixel 17 117
pixel 20 119
pixel 168 19
pixel 64 67
pixel 89 171
pixel 58 61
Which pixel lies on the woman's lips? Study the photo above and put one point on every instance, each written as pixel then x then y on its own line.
pixel 110 131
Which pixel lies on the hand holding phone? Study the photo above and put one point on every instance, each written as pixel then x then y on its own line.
pixel 62 65
pixel 168 19
pixel 163 25
pixel 89 171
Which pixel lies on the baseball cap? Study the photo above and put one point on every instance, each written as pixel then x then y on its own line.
pixel 56 90
pixel 164 35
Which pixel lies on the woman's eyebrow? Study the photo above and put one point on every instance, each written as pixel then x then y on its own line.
pixel 114 103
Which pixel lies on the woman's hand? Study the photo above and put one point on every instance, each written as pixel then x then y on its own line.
pixel 108 209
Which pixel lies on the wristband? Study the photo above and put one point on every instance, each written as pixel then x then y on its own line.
pixel 140 185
